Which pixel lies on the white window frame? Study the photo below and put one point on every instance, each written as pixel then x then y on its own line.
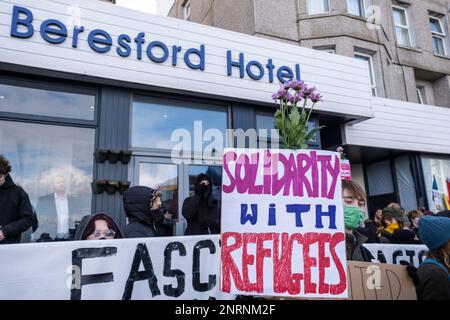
pixel 419 95
pixel 405 27
pixel 363 8
pixel 186 8
pixel 373 86
pixel 439 35
pixel 309 7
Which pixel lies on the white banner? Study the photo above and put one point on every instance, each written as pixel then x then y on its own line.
pixel 283 223
pixel 148 268
pixel 395 253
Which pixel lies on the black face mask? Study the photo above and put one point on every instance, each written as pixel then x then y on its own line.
pixel 157 215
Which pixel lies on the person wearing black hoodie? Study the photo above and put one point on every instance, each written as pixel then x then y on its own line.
pixel 99 226
pixel 16 213
pixel 143 207
pixel 202 210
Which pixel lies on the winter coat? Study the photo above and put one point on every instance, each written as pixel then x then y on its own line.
pixel 87 226
pixel 434 282
pixel 202 211
pixel 141 222
pixel 355 249
pixel 16 213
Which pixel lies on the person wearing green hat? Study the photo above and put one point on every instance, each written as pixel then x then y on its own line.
pixel 393 219
pixel 434 272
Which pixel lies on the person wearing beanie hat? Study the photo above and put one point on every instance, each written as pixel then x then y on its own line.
pixel 434 272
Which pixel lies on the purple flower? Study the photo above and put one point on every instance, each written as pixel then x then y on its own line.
pixel 307 90
pixel 295 98
pixel 297 85
pixel 280 94
pixel 315 97
pixel 289 97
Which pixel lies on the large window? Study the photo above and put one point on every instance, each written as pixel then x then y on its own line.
pixel 356 7
pixel 438 35
pixel 318 6
pixel 163 124
pixel 42 101
pixel 436 170
pixel 54 164
pixel 401 23
pixel 369 60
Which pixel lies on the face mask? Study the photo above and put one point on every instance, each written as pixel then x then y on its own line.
pixel 353 217
pixel 156 215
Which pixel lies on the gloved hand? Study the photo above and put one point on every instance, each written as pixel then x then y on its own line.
pixel 412 272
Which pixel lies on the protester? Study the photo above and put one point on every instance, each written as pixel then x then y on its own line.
pixel 434 272
pixel 372 227
pixel 354 200
pixel 99 226
pixel 16 213
pixel 444 213
pixel 393 232
pixel 414 217
pixel 143 207
pixel 202 210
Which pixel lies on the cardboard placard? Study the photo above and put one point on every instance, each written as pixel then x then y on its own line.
pixel 368 281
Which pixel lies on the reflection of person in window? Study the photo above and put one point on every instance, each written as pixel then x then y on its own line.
pixel 54 210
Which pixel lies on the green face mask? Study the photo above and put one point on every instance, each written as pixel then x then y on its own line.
pixel 353 217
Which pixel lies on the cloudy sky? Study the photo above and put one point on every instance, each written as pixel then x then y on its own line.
pixel 161 7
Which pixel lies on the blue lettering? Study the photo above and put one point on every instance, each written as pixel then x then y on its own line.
pixel 270 67
pixel 252 217
pixel 298 209
pixel 258 76
pixel 200 54
pixel 161 45
pixel 25 22
pixel 47 28
pixel 231 64
pixel 76 31
pixel 101 37
pixel 285 74
pixel 139 41
pixel 175 50
pixel 331 214
pixel 124 49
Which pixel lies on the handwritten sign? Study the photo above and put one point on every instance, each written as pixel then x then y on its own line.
pixel 368 281
pixel 139 269
pixel 414 254
pixel 283 224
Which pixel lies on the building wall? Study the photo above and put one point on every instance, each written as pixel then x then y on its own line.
pixel 398 69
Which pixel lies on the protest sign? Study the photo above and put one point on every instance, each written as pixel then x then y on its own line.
pixel 368 281
pixel 395 253
pixel 346 172
pixel 283 224
pixel 147 268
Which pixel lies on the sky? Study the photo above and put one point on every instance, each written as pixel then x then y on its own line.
pixel 160 7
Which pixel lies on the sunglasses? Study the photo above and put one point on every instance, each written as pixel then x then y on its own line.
pixel 103 234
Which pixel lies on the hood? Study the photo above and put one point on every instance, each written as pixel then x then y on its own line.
pixel 199 178
pixel 8 183
pixel 87 224
pixel 137 202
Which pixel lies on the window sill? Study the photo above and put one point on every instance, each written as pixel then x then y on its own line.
pixel 441 56
pixel 414 49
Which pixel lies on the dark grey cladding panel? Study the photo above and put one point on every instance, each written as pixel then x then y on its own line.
pixel 114 131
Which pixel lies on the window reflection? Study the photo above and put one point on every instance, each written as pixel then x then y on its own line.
pixel 165 178
pixel 155 120
pixel 54 164
pixel 46 102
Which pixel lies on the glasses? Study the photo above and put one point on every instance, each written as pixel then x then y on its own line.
pixel 103 234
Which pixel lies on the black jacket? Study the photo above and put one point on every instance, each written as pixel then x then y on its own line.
pixel 202 211
pixel 87 222
pixel 141 223
pixel 434 283
pixel 16 213
pixel 355 249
